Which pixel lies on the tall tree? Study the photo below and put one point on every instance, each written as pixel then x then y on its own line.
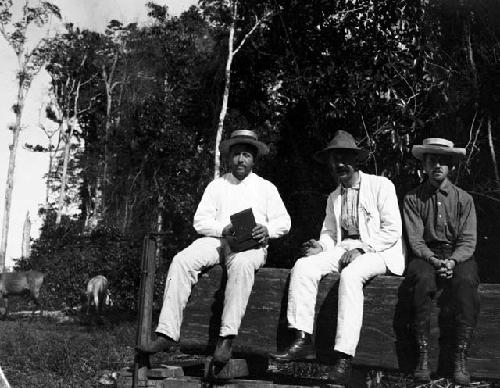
pixel 30 61
pixel 73 80
pixel 233 6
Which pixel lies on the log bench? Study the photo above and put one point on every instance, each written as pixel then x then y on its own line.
pixel 385 342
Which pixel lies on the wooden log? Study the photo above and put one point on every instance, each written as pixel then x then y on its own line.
pixel 235 368
pixel 385 340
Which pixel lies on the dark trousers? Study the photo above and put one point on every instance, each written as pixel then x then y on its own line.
pixel 462 289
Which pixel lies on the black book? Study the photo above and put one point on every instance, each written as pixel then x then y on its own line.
pixel 243 223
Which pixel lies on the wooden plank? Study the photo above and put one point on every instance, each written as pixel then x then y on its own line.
pixel 384 343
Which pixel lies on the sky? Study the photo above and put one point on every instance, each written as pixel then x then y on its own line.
pixel 29 187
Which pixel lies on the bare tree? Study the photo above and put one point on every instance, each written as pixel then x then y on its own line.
pixel 227 83
pixel 26 242
pixel 30 61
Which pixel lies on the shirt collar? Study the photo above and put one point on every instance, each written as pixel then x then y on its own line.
pixel 444 189
pixel 235 180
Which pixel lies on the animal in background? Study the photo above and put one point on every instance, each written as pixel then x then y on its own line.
pixel 21 283
pixel 98 293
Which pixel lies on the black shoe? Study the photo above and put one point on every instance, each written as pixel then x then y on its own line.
pixel 422 372
pixel 461 375
pixel 161 343
pixel 340 372
pixel 223 350
pixel 301 349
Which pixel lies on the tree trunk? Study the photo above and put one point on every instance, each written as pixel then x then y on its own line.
pixel 225 98
pixel 159 227
pixel 26 244
pixel 105 169
pixel 470 51
pixel 493 154
pixel 64 177
pixel 67 150
pixel 9 187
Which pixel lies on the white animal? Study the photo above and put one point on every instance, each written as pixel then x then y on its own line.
pixel 4 383
pixel 98 293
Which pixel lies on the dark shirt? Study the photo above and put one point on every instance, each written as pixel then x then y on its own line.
pixel 445 215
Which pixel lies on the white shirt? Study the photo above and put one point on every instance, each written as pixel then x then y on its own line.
pixel 227 195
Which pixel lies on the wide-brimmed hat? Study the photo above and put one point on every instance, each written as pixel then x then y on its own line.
pixel 243 136
pixel 342 140
pixel 437 145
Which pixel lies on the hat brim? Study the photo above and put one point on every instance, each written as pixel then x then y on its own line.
pixel 419 151
pixel 322 156
pixel 226 145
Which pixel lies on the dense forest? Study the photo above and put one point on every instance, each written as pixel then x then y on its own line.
pixel 137 109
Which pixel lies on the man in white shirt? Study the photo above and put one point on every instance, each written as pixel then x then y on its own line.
pixel 360 238
pixel 233 192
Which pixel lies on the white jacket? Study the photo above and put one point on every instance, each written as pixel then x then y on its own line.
pixel 380 226
pixel 227 195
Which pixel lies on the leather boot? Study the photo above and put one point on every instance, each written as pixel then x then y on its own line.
pixel 301 349
pixel 340 372
pixel 460 375
pixel 223 350
pixel 422 373
pixel 161 343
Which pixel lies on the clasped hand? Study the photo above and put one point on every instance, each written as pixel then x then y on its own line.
pixel 444 268
pixel 259 233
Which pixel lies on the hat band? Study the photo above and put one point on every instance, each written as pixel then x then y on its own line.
pixel 438 145
pixel 244 137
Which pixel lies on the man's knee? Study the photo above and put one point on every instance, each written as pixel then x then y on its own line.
pixel 351 275
pixel 304 269
pixel 178 261
pixel 468 279
pixel 421 273
pixel 246 262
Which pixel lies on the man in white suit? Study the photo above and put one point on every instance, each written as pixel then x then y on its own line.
pixel 233 192
pixel 360 238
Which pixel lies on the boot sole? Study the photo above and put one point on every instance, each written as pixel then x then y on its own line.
pixel 305 358
pixel 465 383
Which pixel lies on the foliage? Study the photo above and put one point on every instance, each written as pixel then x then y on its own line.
pixel 70 259
pixel 390 72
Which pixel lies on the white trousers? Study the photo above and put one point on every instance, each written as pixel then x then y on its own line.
pixel 183 274
pixel 304 281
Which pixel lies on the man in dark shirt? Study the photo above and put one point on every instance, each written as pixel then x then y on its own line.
pixel 440 221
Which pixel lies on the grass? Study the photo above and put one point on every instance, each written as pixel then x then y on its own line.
pixel 43 352
pixel 40 352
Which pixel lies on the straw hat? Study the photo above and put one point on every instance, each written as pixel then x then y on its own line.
pixel 243 136
pixel 437 145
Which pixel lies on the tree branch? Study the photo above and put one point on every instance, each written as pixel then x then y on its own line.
pixel 258 22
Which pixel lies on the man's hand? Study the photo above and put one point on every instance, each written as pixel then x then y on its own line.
pixel 261 234
pixel 446 270
pixel 228 230
pixel 311 247
pixel 436 263
pixel 348 257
